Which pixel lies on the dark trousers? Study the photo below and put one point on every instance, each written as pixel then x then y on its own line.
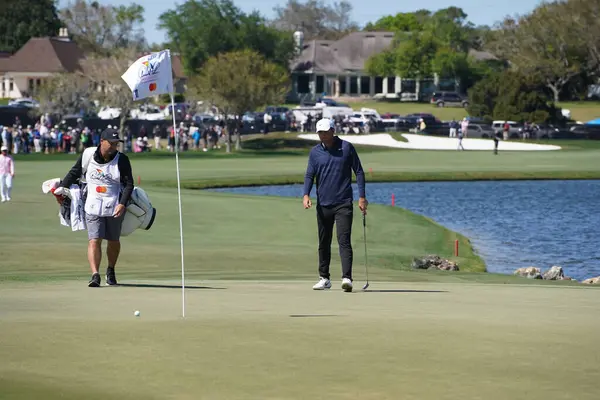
pixel 341 215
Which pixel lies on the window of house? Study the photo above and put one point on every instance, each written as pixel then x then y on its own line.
pixel 354 84
pixel 378 84
pixel 38 82
pixel 365 85
pixel 391 84
pixel 320 84
pixel 31 85
pixel 303 83
pixel 11 85
pixel 343 88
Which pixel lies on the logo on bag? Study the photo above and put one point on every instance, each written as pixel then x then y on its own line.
pixel 101 176
pixel 101 189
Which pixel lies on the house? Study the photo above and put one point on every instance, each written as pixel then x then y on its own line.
pixel 37 60
pixel 41 58
pixel 337 68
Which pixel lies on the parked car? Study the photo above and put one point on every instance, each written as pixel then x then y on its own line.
pixel 107 112
pixel 148 112
pixel 476 131
pixel 553 132
pixel 514 131
pixel 449 99
pixel 24 102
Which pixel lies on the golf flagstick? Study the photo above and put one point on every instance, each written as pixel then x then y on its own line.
pixel 365 240
pixel 179 197
pixel 148 76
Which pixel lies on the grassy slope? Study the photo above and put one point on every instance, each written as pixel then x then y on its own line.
pixel 227 236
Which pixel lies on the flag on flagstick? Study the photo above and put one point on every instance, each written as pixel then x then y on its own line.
pixel 152 75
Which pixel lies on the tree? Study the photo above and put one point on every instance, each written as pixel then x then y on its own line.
pixel 101 28
pixel 514 96
pixel 542 42
pixel 239 81
pixel 200 29
pixel 401 22
pixel 64 94
pixel 104 76
pixel 427 43
pixel 584 27
pixel 23 19
pixel 317 19
pixel 414 57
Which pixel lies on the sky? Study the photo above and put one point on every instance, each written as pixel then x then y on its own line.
pixel 480 12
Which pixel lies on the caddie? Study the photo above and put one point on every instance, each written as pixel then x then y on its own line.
pixel 109 180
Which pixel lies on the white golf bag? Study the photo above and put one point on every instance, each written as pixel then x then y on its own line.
pixel 139 211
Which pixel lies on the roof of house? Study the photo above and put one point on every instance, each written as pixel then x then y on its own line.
pixel 54 55
pixel 177 66
pixel 482 55
pixel 350 53
pixel 347 54
pixel 44 55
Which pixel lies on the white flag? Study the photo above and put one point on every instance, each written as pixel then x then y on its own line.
pixel 150 75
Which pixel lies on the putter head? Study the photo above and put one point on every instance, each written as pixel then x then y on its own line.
pixel 366 286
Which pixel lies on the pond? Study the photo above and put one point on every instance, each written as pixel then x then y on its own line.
pixel 511 224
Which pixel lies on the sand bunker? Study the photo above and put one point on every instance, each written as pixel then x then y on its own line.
pixel 422 142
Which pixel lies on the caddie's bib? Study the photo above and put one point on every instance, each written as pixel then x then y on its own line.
pixel 103 187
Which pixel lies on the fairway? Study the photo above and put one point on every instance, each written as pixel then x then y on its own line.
pixel 254 329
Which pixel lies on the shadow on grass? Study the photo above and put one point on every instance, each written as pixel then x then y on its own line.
pixel 268 143
pixel 402 291
pixel 155 286
pixel 313 315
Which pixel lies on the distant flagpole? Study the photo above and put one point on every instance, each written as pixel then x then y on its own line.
pixel 152 75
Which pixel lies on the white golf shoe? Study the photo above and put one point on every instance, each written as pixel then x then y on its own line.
pixel 346 285
pixel 322 284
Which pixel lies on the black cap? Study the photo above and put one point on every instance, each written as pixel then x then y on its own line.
pixel 111 135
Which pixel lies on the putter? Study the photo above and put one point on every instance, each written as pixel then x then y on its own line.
pixel 365 239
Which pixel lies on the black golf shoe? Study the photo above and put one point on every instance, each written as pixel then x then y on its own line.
pixel 111 278
pixel 95 281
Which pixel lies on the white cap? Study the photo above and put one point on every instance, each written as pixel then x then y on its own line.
pixel 4 148
pixel 324 125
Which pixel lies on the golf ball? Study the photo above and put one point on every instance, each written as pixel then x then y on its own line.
pixel 137 313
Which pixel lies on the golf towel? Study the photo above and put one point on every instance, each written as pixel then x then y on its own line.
pixel 72 210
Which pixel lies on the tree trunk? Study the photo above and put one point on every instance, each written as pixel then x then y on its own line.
pixel 228 140
pixel 238 141
pixel 555 91
pixel 122 121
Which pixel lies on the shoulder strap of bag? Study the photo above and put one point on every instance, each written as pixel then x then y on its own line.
pixel 85 160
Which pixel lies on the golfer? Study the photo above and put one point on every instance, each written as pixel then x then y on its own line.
pixel 7 173
pixel 331 162
pixel 496 140
pixel 109 182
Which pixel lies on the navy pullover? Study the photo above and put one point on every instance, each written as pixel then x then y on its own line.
pixel 333 170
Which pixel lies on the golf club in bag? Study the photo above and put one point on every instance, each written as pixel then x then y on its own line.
pixel 366 260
